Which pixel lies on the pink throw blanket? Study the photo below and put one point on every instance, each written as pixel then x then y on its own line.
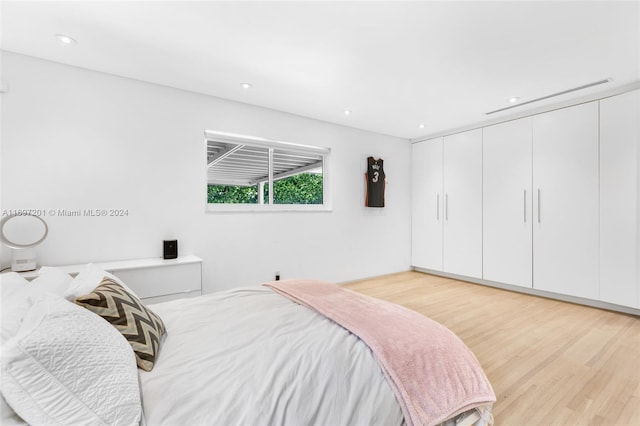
pixel 434 375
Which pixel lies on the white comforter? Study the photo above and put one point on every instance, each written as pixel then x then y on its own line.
pixel 251 357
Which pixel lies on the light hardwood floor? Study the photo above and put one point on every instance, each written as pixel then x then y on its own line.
pixel 549 362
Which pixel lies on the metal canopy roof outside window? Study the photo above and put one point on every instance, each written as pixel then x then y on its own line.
pixel 244 161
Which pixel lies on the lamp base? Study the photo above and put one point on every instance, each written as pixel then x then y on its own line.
pixel 23 260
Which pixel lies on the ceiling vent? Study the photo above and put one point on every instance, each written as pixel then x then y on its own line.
pixel 564 92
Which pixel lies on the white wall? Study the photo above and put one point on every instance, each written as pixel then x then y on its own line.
pixel 78 139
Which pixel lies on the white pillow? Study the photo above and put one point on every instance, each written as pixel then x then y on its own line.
pixel 90 278
pixel 52 280
pixel 16 290
pixel 67 365
pixel 11 282
pixel 13 295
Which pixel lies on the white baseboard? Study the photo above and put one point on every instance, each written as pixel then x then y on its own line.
pixel 535 292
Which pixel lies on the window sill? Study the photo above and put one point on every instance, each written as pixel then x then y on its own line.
pixel 265 208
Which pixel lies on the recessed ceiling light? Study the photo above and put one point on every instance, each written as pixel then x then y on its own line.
pixel 246 85
pixel 514 99
pixel 65 39
pixel 347 112
pixel 421 125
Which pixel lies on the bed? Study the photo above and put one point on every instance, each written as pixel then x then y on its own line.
pixel 248 356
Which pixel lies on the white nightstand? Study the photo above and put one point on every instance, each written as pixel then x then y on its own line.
pixel 154 280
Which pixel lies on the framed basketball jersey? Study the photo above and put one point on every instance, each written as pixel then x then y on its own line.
pixel 375 179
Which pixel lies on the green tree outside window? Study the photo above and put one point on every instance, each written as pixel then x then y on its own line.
pixel 303 188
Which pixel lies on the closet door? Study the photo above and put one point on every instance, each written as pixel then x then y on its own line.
pixel 619 186
pixel 463 204
pixel 566 210
pixel 427 202
pixel 507 203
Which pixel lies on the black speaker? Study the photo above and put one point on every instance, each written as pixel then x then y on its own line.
pixel 170 249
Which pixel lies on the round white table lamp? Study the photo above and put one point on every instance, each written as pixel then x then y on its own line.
pixel 23 233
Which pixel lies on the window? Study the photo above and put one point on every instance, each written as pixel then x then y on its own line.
pixel 250 173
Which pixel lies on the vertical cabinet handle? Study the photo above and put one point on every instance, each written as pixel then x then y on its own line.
pixel 446 206
pixel 538 205
pixel 437 206
pixel 525 206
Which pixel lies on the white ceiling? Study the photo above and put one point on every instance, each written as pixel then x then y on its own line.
pixel 394 64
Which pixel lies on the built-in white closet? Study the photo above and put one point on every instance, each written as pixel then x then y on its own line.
pixel 565 181
pixel 427 207
pixel 462 241
pixel 507 203
pixel 447 204
pixel 619 199
pixel 548 202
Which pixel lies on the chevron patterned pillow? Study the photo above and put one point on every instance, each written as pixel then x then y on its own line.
pixel 138 324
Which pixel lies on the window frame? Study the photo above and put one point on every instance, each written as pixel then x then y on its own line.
pixel 271 145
